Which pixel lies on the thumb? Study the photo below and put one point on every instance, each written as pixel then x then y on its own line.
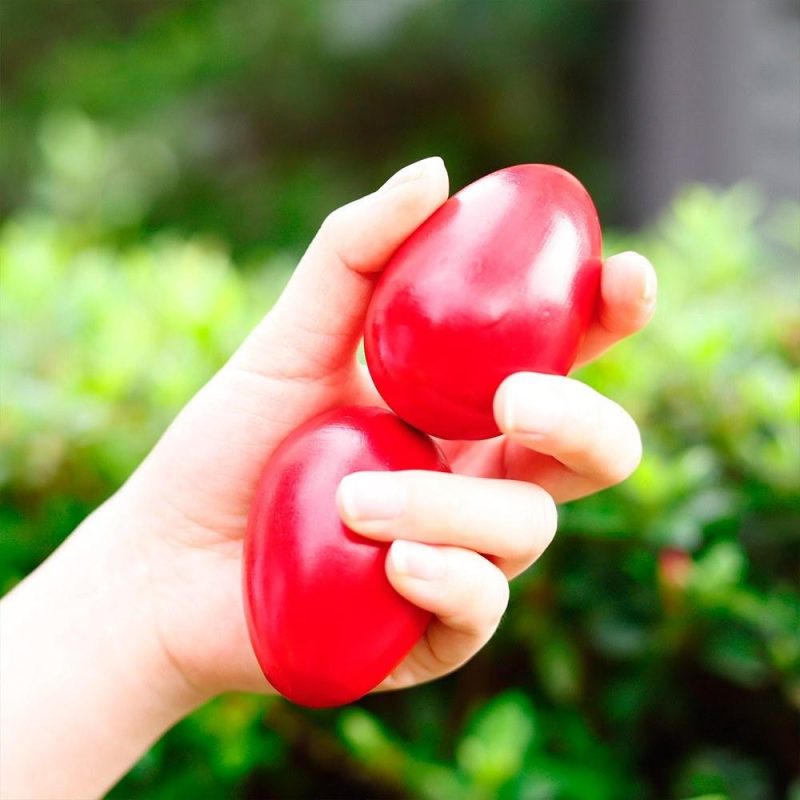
pixel 316 325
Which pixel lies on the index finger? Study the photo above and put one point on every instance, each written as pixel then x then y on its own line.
pixel 628 289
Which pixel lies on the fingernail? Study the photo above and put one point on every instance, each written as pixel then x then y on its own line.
pixel 650 283
pixel 374 496
pixel 531 407
pixel 416 560
pixel 412 172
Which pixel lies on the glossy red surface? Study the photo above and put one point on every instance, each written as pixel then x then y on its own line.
pixel 503 278
pixel 325 622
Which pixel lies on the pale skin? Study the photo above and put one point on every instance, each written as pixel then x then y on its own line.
pixel 137 618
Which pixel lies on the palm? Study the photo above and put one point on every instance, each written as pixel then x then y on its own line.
pixel 243 417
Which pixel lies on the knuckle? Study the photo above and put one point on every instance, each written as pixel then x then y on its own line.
pixel 487 607
pixel 336 232
pixel 333 223
pixel 481 610
pixel 343 234
pixel 597 412
pixel 548 516
pixel 496 606
pixel 331 235
pixel 538 529
pixel 626 459
pixel 522 548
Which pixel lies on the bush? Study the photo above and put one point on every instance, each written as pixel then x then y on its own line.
pixel 652 652
pixel 252 120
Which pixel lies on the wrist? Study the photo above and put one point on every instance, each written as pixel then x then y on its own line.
pixel 192 590
pixel 136 644
pixel 77 640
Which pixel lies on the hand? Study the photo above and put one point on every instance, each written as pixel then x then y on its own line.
pixel 190 499
pixel 137 617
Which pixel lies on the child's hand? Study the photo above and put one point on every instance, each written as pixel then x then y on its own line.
pixel 187 505
pixel 138 616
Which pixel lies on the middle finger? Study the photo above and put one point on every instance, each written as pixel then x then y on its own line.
pixel 512 521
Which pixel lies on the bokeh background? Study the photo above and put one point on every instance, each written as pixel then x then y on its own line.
pixel 162 167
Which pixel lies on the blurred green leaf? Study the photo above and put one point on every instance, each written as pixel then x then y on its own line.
pixel 492 748
pixel 724 773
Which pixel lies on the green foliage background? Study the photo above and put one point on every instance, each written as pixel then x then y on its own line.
pixel 163 166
